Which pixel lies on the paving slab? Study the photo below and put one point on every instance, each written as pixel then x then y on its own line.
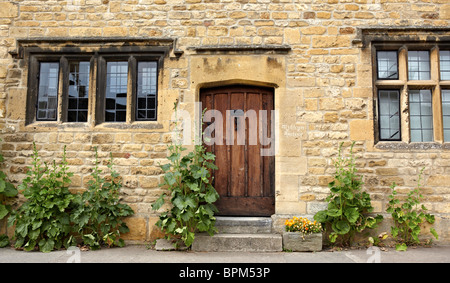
pixel 142 254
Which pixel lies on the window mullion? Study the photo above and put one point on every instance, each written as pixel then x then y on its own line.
pixel 403 77
pixel 437 114
pixel 101 91
pixel 63 89
pixel 92 89
pixel 434 64
pixel 404 113
pixel 436 97
pixel 131 89
pixel 403 65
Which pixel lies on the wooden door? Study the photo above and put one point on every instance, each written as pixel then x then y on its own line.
pixel 245 179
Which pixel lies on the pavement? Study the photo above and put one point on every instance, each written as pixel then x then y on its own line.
pixel 142 254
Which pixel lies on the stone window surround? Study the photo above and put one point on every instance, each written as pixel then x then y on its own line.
pixel 31 51
pixel 371 39
pixel 403 84
pixel 96 92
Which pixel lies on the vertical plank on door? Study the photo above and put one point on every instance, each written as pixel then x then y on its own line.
pixel 237 151
pixel 222 160
pixel 254 156
pixel 269 161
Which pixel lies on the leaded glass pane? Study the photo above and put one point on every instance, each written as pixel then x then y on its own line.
pixel 48 91
pixel 389 101
pixel 146 90
pixel 387 64
pixel 418 65
pixel 116 91
pixel 444 60
pixel 421 117
pixel 78 91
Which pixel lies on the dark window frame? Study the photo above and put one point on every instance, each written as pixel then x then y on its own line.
pixel 404 83
pixel 376 64
pixel 132 59
pixel 66 88
pixel 439 62
pixel 420 115
pixel 135 95
pixel 33 87
pixel 379 115
pixel 419 71
pixel 103 75
pixel 38 94
pixel 447 90
pixel 133 54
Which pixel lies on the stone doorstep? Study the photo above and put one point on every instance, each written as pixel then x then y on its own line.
pixel 244 225
pixel 238 242
pixel 250 234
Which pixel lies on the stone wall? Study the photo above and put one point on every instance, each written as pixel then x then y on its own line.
pixel 323 92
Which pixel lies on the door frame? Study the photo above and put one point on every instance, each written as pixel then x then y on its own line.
pixel 254 68
pixel 263 201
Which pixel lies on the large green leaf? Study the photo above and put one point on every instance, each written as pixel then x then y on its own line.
pixel 394 231
pixel 193 186
pixel 166 167
pixel 186 215
pixel 371 222
pixel 34 234
pixel 10 190
pixel 333 236
pixel 334 212
pixel 352 214
pixel 401 247
pixel 179 202
pixel 189 239
pixel 123 228
pixel 209 156
pixel 46 245
pixel 211 195
pixel 22 229
pixel 29 246
pixel 435 234
pixel 174 157
pixel 321 216
pixel 341 227
pixel 202 173
pixel 4 241
pixel 429 217
pixel 36 224
pixel 3 211
pixel 348 195
pixel 159 202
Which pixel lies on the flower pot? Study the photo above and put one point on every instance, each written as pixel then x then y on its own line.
pixel 296 242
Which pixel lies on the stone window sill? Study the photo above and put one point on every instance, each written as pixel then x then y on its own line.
pixel 388 145
pixel 43 126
